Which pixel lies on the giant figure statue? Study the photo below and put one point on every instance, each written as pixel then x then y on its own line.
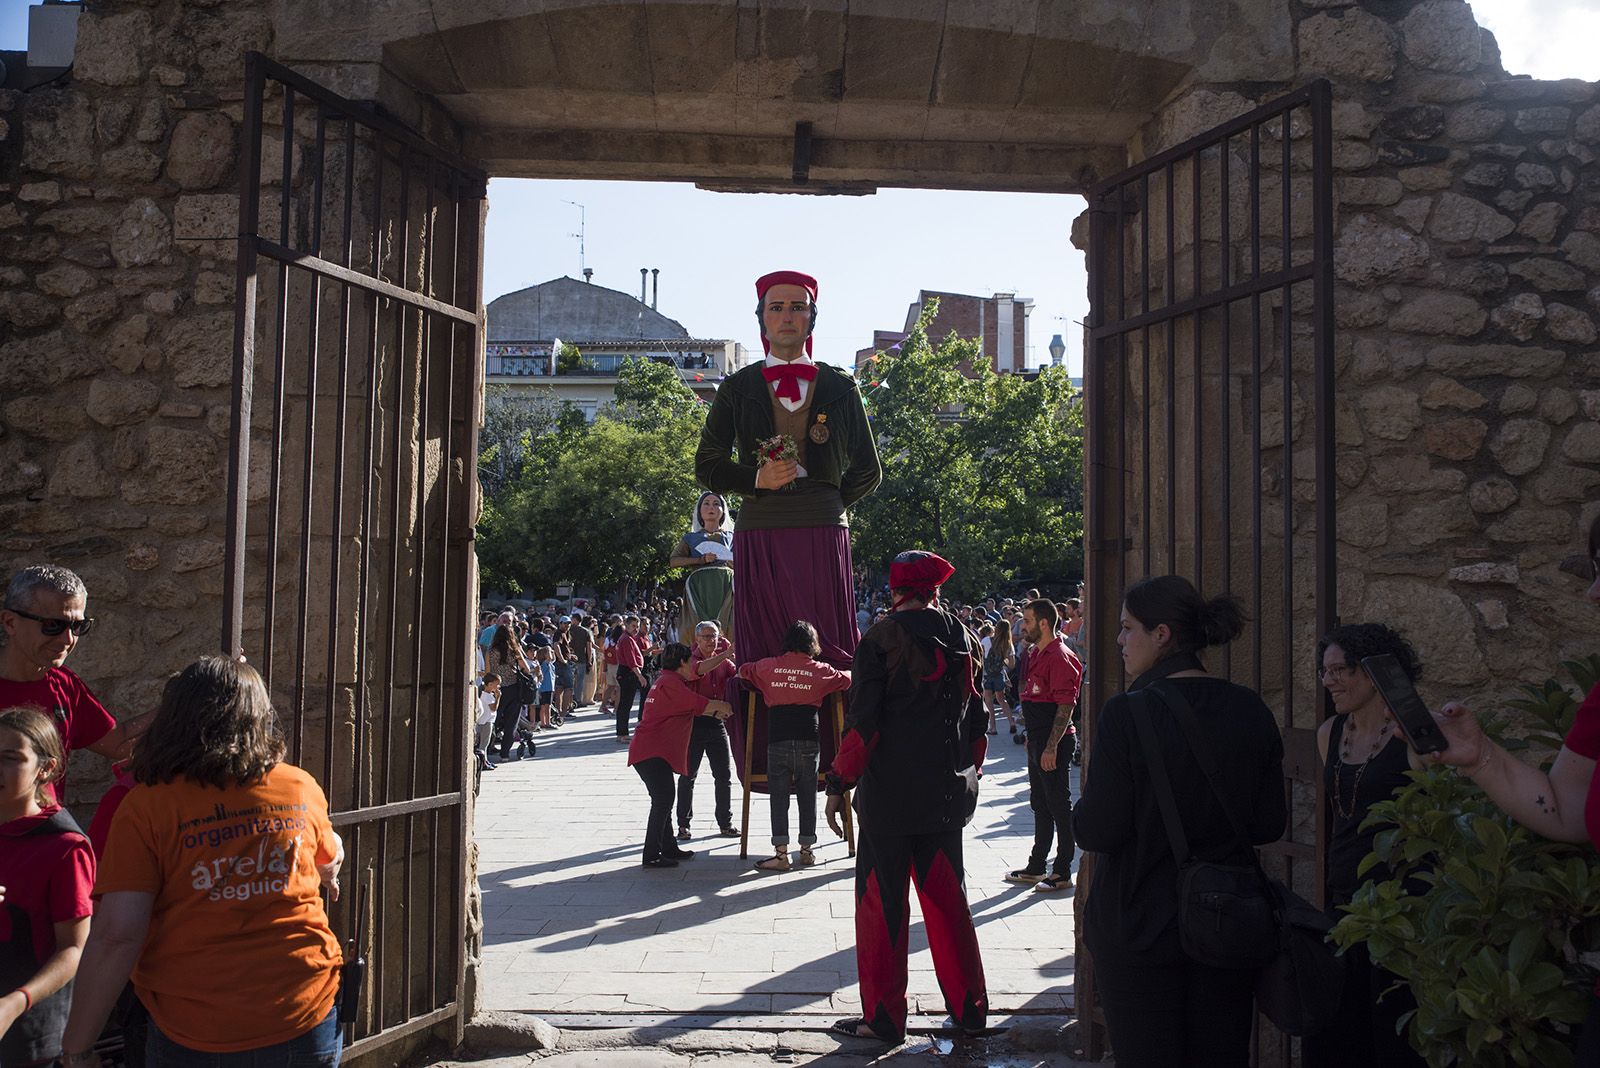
pixel 791 545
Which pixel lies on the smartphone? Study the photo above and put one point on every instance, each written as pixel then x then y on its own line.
pixel 1415 721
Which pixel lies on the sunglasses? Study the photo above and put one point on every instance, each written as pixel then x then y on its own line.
pixel 52 627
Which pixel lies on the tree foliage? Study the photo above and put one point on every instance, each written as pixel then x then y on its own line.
pixel 986 470
pixel 1493 948
pixel 601 503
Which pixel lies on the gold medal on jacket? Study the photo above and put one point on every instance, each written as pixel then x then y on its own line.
pixel 819 430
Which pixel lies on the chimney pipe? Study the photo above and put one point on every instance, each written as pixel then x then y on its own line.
pixel 643 271
pixel 655 280
pixel 588 274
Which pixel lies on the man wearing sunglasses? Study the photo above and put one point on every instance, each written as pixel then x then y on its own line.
pixel 42 616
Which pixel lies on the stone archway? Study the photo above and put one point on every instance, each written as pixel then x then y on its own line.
pixel 1467 258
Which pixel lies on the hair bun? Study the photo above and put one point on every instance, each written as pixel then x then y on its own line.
pixel 1221 619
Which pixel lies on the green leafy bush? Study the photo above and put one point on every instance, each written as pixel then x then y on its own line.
pixel 1491 949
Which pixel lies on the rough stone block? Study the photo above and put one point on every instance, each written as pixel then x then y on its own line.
pixel 1487 573
pixel 1542 221
pixel 1435 620
pixel 1455 439
pixel 1459 218
pixel 176 467
pixel 79 473
pixel 1369 251
pixel 1518 398
pixel 89 313
pixel 1534 176
pixel 1519 445
pixel 1442 35
pixel 1566 323
pixel 130 163
pixel 1390 412
pixel 1557 405
pixel 1474 122
pixel 60 137
pixel 1364 523
pixel 1440 314
pixel 1551 119
pixel 38 417
pixel 1582 443
pixel 202 151
pixel 1360 191
pixel 510 1030
pixel 1530 524
pixel 27 310
pixel 1358 45
pixel 1493 614
pixel 1485 175
pixel 39 192
pixel 1445 393
pixel 1548 274
pixel 1565 484
pixel 1583 249
pixel 118 402
pixel 143 235
pixel 1492 495
pixel 1520 316
pixel 112 49
pixel 200 350
pixel 66 281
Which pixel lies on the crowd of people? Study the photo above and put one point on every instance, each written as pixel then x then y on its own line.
pixel 210 834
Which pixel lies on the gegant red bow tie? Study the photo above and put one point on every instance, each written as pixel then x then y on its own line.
pixel 788 376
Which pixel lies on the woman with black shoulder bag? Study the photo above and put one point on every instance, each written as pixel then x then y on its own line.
pixel 1163 1006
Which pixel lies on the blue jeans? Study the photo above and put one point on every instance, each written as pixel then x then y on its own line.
pixel 317 1048
pixel 792 768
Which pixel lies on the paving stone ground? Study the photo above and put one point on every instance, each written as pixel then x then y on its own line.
pixel 574 925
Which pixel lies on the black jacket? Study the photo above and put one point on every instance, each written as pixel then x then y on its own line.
pixel 1132 905
pixel 741 414
pixel 910 733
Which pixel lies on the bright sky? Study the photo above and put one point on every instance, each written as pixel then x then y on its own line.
pixel 870 254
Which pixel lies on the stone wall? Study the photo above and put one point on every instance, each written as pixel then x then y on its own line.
pixel 117 195
pixel 1468 374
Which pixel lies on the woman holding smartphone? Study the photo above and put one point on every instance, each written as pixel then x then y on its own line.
pixel 1364 760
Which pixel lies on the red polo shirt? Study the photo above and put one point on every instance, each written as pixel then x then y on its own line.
pixel 1054 675
pixel 666 722
pixel 630 651
pixel 714 682
pixel 80 719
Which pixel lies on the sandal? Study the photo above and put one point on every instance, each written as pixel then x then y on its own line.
pixel 777 862
pixel 1024 877
pixel 1053 883
pixel 806 857
pixel 857 1027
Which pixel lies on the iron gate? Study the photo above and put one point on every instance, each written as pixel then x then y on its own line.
pixel 1209 390
pixel 349 578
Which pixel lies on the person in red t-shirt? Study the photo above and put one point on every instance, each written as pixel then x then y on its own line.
pixel 1048 691
pixel 660 748
pixel 1562 804
pixel 42 617
pixel 47 873
pixel 793 685
pixel 630 648
pixel 712 660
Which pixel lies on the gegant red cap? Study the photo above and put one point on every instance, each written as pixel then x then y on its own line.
pixel 785 278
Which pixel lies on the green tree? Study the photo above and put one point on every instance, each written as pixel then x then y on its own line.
pixel 569 360
pixel 984 469
pixel 599 503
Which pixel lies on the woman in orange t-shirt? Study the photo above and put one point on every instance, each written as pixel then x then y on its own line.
pixel 208 889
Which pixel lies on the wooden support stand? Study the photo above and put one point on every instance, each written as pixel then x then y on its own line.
pixel 750 778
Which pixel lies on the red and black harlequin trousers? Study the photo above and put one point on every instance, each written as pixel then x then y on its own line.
pixel 886 864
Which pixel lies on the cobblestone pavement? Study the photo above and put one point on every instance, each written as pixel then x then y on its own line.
pixel 574 926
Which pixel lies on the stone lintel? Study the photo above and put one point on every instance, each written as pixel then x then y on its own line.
pixel 760 163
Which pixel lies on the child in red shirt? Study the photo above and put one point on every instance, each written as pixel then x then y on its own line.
pixel 793 685
pixel 660 748
pixel 47 870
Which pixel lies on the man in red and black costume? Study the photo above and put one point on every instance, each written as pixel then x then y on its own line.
pixel 791 543
pixel 913 748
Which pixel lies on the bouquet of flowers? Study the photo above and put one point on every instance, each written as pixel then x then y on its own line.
pixel 776 449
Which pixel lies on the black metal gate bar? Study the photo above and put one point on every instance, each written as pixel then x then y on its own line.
pixel 422 461
pixel 1126 462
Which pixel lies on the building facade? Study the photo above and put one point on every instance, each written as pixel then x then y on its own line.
pixel 999 324
pixel 528 328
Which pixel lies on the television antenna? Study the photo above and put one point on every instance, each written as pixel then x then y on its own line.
pixel 583 265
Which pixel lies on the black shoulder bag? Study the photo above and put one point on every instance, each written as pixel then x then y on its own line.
pixel 1237 916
